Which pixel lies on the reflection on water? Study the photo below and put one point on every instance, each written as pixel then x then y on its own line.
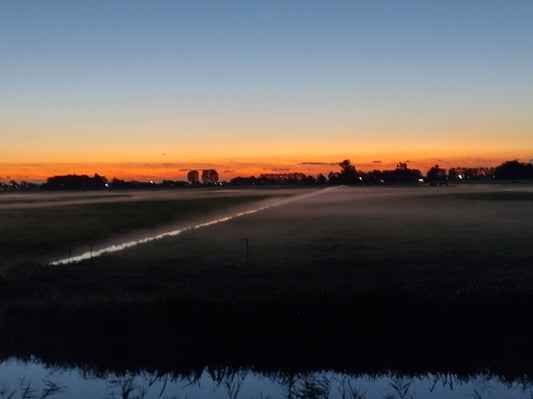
pixel 31 379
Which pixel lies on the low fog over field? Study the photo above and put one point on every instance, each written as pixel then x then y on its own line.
pixel 359 230
pixel 51 198
pixel 40 227
pixel 189 223
pixel 480 234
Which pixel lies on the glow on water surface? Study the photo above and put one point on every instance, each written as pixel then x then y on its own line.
pixel 23 379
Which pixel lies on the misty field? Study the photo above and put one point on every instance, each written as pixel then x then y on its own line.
pixel 348 240
pixel 37 227
pixel 348 269
pixel 467 239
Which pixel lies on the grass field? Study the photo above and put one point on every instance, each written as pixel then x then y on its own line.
pixel 37 227
pixel 351 270
pixel 349 240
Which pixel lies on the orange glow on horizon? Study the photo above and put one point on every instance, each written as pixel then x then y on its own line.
pixel 228 168
pixel 172 161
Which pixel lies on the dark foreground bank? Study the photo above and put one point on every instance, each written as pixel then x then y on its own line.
pixel 368 332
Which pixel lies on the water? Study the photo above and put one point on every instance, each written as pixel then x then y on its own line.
pixel 32 379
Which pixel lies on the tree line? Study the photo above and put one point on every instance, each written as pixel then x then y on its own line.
pixel 347 175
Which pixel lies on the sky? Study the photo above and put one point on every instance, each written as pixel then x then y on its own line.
pixel 151 89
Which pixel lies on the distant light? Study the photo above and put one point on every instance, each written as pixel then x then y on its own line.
pixel 360 178
pixel 460 177
pixel 421 180
pixel 107 185
pixel 151 182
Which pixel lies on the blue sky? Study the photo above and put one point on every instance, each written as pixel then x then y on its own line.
pixel 175 77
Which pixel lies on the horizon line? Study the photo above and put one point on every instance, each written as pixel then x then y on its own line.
pixel 159 171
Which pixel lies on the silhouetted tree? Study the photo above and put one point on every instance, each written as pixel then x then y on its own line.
pixel 403 175
pixel 333 177
pixel 283 178
pixel 210 176
pixel 193 177
pixel 374 177
pixel 97 182
pixel 348 174
pixel 309 179
pixel 275 179
pixel 401 166
pixel 244 181
pixel 437 175
pixel 460 173
pixel 75 182
pixel 514 170
pixel 321 179
pixel 453 174
pixel 13 185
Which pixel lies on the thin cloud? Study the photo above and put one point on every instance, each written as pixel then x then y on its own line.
pixel 377 161
pixel 314 163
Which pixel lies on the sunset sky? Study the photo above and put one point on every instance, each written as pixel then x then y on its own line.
pixel 151 89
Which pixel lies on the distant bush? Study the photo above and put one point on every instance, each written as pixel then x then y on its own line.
pixel 75 182
pixel 514 170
